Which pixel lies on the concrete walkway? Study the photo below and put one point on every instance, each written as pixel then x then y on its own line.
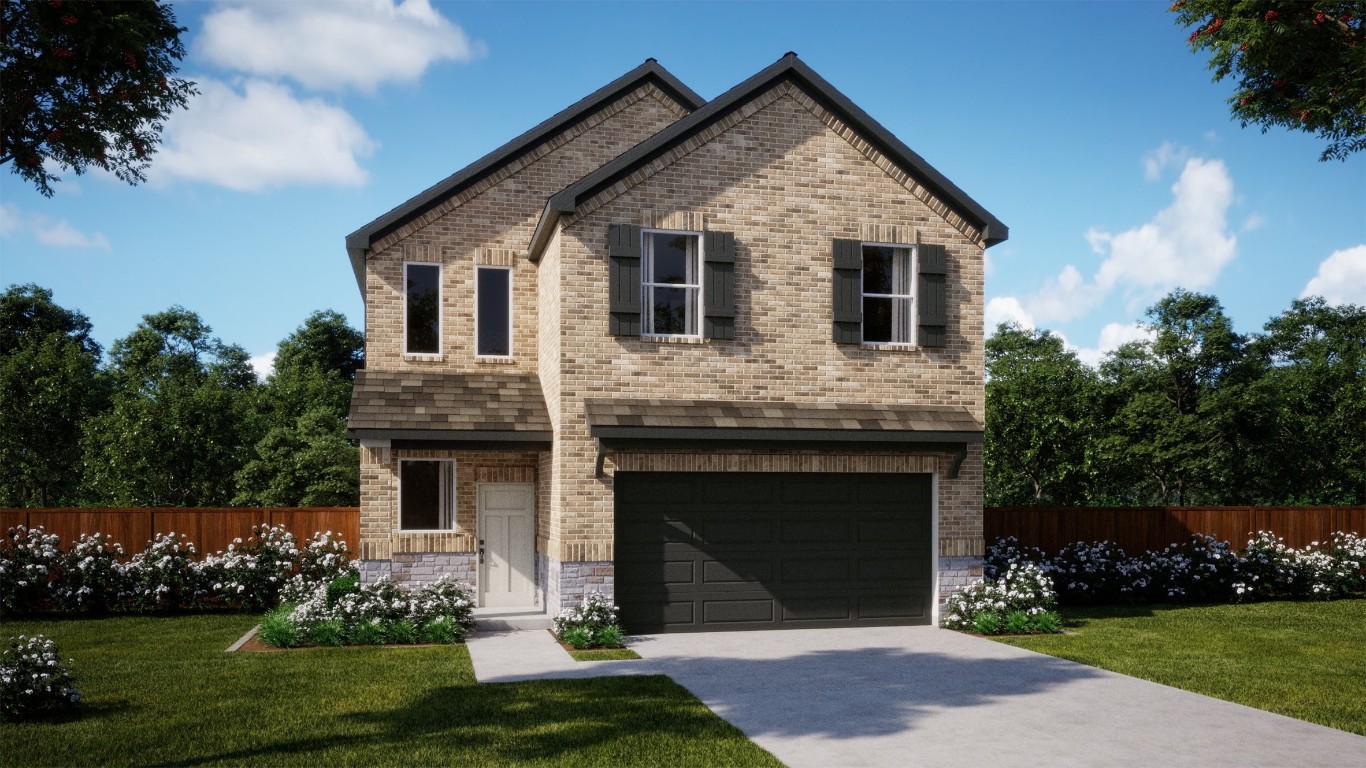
pixel 899 696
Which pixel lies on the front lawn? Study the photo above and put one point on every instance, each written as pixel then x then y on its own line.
pixel 1300 659
pixel 161 690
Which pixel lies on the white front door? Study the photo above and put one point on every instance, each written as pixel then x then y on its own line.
pixel 506 530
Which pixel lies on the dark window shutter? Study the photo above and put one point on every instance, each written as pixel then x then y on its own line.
pixel 933 314
pixel 718 285
pixel 623 256
pixel 848 292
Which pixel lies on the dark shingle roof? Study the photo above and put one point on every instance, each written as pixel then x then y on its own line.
pixel 789 67
pixel 357 242
pixel 612 415
pixel 393 401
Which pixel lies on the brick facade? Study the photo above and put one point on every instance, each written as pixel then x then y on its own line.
pixel 786 176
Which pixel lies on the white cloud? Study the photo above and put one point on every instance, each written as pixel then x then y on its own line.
pixel 264 365
pixel 334 45
pixel 1159 159
pixel 259 137
pixel 1253 222
pixel 58 233
pixel 1006 309
pixel 1186 244
pixel 1111 337
pixel 1341 278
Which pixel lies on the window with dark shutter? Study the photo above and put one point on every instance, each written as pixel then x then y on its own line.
pixel 718 285
pixel 624 279
pixel 933 312
pixel 847 290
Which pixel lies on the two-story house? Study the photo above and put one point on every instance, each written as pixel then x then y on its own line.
pixel 723 360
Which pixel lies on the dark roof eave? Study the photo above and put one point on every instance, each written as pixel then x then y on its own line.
pixel 453 435
pixel 789 66
pixel 358 242
pixel 608 433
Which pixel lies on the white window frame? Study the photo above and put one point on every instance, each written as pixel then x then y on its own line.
pixel 447 497
pixel 914 296
pixel 440 291
pixel 477 269
pixel 647 285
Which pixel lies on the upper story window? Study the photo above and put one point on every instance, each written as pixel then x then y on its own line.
pixel 671 282
pixel 426 495
pixel 493 315
pixel 888 294
pixel 422 308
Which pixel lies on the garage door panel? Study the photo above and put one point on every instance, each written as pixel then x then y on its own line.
pixel 736 571
pixel 738 611
pixel 768 550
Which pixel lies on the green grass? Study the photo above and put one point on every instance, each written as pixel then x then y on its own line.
pixel 161 691
pixel 1300 659
pixel 604 654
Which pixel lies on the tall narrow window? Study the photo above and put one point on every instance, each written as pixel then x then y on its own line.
pixel 671 284
pixel 888 294
pixel 493 321
pixel 426 495
pixel 422 311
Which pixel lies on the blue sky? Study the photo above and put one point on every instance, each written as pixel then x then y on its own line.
pixel 1089 128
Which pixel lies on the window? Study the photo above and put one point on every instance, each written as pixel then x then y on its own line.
pixel 888 294
pixel 426 493
pixel 671 283
pixel 493 319
pixel 422 308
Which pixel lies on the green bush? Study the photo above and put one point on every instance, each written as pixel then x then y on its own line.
pixel 610 636
pixel 1018 623
pixel 1048 622
pixel 442 629
pixel 987 623
pixel 278 630
pixel 329 632
pixel 367 633
pixel 578 637
pixel 402 632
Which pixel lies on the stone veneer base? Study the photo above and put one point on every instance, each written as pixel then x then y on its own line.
pixel 956 573
pixel 421 567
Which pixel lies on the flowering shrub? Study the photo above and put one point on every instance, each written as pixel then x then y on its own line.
pixel 33 680
pixel 591 623
pixel 29 558
pixel 991 607
pixel 91 577
pixel 1203 568
pixel 252 573
pixel 345 612
pixel 163 576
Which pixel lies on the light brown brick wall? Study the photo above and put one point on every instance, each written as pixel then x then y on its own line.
pixel 784 177
pixel 491 223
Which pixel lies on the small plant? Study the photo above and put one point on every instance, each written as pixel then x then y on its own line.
pixel 278 630
pixel 1048 622
pixel 442 629
pixel 368 632
pixel 330 632
pixel 987 623
pixel 402 632
pixel 578 637
pixel 1018 623
pixel 611 636
pixel 33 680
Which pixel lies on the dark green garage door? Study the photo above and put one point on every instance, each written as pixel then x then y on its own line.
pixel 712 551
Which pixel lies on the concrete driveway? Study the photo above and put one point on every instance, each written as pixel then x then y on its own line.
pixel 904 696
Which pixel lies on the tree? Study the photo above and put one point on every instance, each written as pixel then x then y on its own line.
pixel 304 457
pixel 179 417
pixel 87 83
pixel 1299 65
pixel 1038 419
pixel 49 386
pixel 1315 450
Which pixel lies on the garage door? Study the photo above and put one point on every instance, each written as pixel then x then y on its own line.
pixel 724 551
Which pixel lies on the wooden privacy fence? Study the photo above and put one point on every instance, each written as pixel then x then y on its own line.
pixel 1137 529
pixel 211 529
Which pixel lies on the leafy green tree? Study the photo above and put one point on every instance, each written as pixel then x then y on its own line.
pixel 1039 400
pixel 1167 437
pixel 87 83
pixel 304 457
pixel 1299 65
pixel 1315 450
pixel 49 385
pixel 179 417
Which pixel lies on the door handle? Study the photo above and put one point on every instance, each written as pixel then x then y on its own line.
pixel 481 551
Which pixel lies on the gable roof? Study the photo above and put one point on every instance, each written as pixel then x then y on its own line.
pixel 649 72
pixel 791 68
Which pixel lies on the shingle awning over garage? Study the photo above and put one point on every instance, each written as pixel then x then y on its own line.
pixel 441 409
pixel 627 423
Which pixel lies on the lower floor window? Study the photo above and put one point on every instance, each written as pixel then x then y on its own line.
pixel 426 495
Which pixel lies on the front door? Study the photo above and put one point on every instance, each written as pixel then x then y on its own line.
pixel 506 544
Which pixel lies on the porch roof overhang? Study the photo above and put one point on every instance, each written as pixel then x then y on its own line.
pixel 450 410
pixel 646 424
